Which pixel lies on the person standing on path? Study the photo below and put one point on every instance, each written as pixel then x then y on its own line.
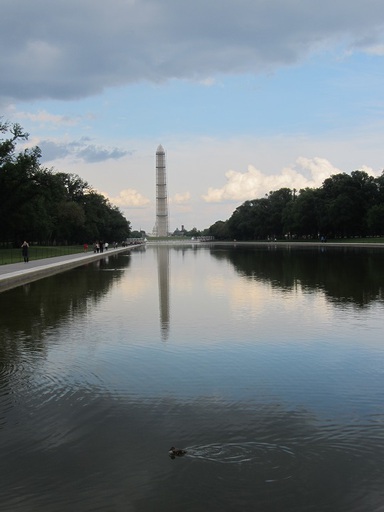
pixel 25 251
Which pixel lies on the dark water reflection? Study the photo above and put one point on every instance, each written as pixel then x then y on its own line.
pixel 271 376
pixel 345 274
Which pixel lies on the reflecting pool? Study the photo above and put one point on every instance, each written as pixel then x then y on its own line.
pixel 265 363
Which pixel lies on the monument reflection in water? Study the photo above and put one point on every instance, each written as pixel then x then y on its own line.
pixel 266 364
pixel 163 278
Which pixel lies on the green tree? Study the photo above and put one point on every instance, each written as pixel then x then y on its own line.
pixel 193 233
pixel 118 228
pixel 250 220
pixel 305 215
pixel 279 205
pixel 71 222
pixel 375 219
pixel 219 230
pixel 20 205
pixel 103 221
pixel 40 205
pixel 346 201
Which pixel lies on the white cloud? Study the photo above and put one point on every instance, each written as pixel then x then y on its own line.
pixel 319 168
pixel 181 198
pixel 208 82
pixel 129 198
pixel 377 49
pixel 369 170
pixel 45 117
pixel 254 183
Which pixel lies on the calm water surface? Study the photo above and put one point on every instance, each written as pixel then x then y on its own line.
pixel 266 364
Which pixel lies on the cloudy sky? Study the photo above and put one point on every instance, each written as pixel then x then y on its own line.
pixel 246 96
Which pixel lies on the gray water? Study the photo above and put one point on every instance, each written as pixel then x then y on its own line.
pixel 265 364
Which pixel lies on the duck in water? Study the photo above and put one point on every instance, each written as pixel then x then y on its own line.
pixel 175 452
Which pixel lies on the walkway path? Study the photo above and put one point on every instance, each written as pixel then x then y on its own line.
pixel 16 274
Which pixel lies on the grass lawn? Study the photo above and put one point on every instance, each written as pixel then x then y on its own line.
pixel 37 252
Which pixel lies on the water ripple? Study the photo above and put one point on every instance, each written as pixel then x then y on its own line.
pixel 277 460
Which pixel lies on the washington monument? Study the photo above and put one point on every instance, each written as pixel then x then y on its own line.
pixel 161 194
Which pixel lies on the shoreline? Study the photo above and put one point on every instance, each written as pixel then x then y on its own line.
pixel 280 243
pixel 284 243
pixel 17 274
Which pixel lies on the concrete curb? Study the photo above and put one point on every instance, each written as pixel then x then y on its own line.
pixel 39 270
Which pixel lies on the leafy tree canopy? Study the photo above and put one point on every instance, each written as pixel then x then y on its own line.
pixel 44 206
pixel 346 205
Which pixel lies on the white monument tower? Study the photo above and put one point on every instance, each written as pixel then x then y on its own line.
pixel 161 194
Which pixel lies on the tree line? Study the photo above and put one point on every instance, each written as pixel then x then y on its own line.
pixel 48 207
pixel 345 206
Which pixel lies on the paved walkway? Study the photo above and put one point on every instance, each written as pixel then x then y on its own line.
pixel 16 274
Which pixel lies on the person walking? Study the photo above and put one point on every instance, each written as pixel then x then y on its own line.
pixel 25 251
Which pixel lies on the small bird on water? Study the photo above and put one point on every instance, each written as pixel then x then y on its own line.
pixel 175 452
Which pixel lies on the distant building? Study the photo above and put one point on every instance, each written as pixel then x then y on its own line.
pixel 161 194
pixel 180 232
